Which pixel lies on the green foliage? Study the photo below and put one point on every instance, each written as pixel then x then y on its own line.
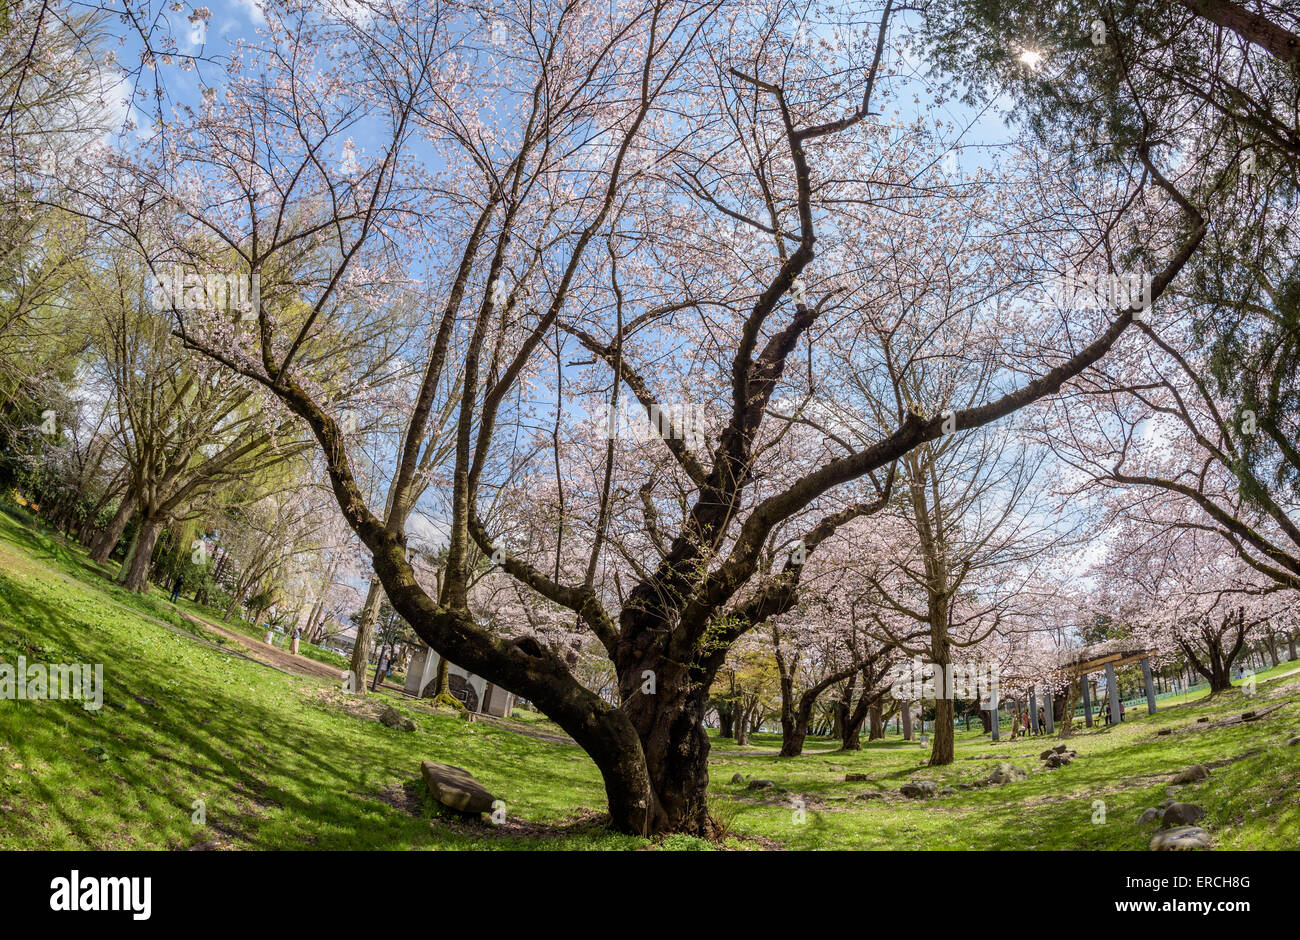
pixel 284 762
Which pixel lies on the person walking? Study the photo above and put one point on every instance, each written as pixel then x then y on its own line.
pixel 1042 720
pixel 293 647
pixel 380 670
pixel 176 588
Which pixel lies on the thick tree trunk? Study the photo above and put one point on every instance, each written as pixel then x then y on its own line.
pixel 853 730
pixel 365 630
pixel 943 744
pixel 1065 720
pixel 1271 643
pixel 1220 677
pixel 726 710
pixel 670 726
pixel 905 714
pixel 107 540
pixel 794 735
pixel 875 722
pixel 138 564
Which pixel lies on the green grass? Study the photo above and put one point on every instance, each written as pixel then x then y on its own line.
pixel 282 761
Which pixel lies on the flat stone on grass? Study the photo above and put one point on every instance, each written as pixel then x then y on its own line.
pixel 1182 839
pixel 456 788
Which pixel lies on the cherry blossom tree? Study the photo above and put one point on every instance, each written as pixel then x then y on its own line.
pixel 649 185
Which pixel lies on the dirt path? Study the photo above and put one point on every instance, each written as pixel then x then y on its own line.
pixel 244 646
pixel 272 656
pixel 248 648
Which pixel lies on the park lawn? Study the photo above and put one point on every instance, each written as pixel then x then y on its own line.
pixel 286 761
pixel 280 761
pixel 1252 802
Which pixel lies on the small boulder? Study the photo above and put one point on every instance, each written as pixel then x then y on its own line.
pixel 1164 731
pixel 1292 742
pixel 1047 753
pixel 1165 804
pixel 918 790
pixel 737 778
pixel 1202 720
pixel 870 795
pixel 761 784
pixel 851 778
pixel 1061 748
pixel 1182 839
pixel 392 718
pixel 1192 774
pixel 1005 773
pixel 1181 814
pixel 947 791
pixel 1149 817
pixel 456 788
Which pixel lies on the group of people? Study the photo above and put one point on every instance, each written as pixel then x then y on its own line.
pixel 1020 724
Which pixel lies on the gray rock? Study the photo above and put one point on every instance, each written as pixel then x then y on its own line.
pixel 761 784
pixel 1047 753
pixel 870 795
pixel 947 791
pixel 1181 814
pixel 1149 817
pixel 1059 760
pixel 1006 773
pixel 851 778
pixel 1182 839
pixel 918 790
pixel 1192 774
pixel 1292 742
pixel 456 788
pixel 737 778
pixel 1061 748
pixel 392 718
pixel 1165 804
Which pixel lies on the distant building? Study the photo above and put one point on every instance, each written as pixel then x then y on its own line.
pixel 479 695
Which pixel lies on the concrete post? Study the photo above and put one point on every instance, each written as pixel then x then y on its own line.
pixel 1050 707
pixel 1033 712
pixel 1146 681
pixel 1087 701
pixel 1112 691
pixel 993 712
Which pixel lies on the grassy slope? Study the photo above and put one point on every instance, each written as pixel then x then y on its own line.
pixel 288 762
